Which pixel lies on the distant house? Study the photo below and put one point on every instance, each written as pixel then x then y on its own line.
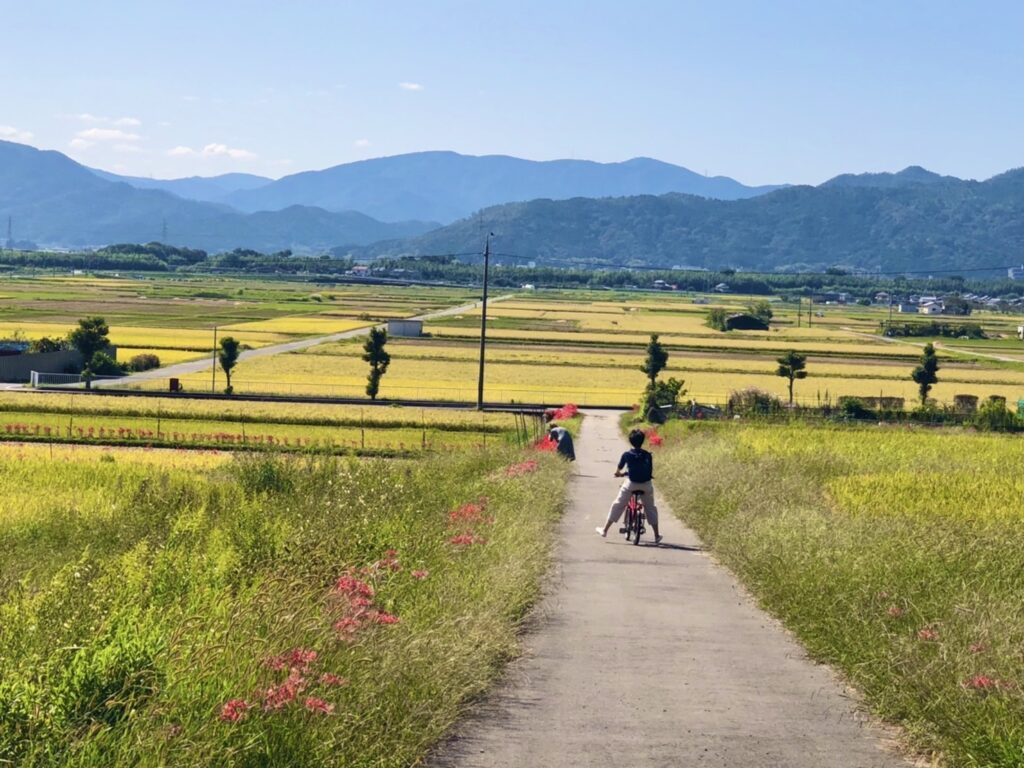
pixel 1016 273
pixel 931 308
pixel 721 288
pixel 745 322
pixel 907 309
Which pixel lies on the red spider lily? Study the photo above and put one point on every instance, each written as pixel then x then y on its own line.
pixel 545 444
pixel 234 710
pixel 420 575
pixel 297 658
pixel 360 602
pixel 466 539
pixel 279 696
pixel 382 617
pixel 389 562
pixel 895 611
pixel 983 683
pixel 347 626
pixel 978 647
pixel 328 679
pixel 351 588
pixel 313 704
pixel 523 468
pixel 927 633
pixel 472 512
pixel 653 438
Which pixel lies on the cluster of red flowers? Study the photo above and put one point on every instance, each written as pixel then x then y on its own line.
pixel 567 411
pixel 984 683
pixel 545 444
pixel 234 710
pixel 928 634
pixel 28 429
pixel 465 519
pixel 895 611
pixel 387 563
pixel 420 575
pixel 653 438
pixel 356 600
pixel 470 513
pixel 522 468
pixel 297 663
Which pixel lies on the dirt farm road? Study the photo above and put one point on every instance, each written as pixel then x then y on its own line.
pixel 653 656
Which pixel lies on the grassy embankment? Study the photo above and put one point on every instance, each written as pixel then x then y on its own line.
pixel 266 611
pixel 896 555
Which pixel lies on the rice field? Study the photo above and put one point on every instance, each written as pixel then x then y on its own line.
pixel 895 554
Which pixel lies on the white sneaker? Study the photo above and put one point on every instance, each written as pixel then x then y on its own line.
pixel 658 538
pixel 602 531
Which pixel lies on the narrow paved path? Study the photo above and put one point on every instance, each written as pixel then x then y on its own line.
pixel 652 656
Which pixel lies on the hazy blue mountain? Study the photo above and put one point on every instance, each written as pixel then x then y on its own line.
pixel 950 225
pixel 54 201
pixel 445 186
pixel 910 176
pixel 211 189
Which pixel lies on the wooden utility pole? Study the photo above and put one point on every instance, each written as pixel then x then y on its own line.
pixel 483 324
pixel 213 383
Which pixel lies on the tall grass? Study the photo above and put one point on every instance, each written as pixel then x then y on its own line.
pixel 896 555
pixel 145 615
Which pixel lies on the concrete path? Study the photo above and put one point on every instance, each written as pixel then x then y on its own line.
pixel 652 656
pixel 197 366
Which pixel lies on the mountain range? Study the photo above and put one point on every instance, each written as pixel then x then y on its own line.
pixel 53 201
pixel 913 220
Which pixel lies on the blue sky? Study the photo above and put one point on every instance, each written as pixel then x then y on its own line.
pixel 761 91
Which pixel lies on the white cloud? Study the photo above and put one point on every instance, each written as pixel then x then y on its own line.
pixel 128 122
pixel 80 144
pixel 410 86
pixel 87 117
pixel 131 149
pixel 223 150
pixel 213 150
pixel 10 133
pixel 361 143
pixel 107 134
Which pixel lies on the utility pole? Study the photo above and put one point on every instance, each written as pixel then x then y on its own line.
pixel 483 324
pixel 213 383
pixel 799 311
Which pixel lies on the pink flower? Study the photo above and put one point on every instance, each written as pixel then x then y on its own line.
pixel 420 575
pixel 351 587
pixel 983 683
pixel 328 679
pixel 314 704
pixel 978 647
pixel 234 710
pixel 382 617
pixel 279 696
pixel 347 626
pixel 466 539
pixel 297 658
pixel 927 634
pixel 360 602
pixel 895 611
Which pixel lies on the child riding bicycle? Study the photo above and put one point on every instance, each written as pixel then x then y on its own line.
pixel 639 472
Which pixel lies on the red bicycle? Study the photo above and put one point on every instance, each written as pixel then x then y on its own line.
pixel 635 518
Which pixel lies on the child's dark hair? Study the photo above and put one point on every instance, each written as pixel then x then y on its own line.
pixel 636 438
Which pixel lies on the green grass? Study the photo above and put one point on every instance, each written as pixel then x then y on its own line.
pixel 895 555
pixel 136 602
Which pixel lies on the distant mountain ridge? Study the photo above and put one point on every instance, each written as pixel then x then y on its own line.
pixel 54 201
pixel 207 189
pixel 446 186
pixel 887 222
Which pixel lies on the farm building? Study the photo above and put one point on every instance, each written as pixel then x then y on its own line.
pixel 931 308
pixel 405 328
pixel 907 309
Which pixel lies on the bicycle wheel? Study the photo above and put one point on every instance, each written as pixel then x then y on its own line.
pixel 629 521
pixel 639 526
